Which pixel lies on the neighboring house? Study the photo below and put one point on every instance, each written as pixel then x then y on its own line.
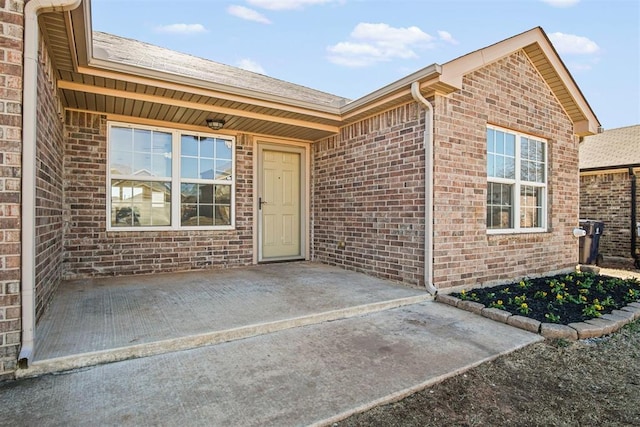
pixel 609 167
pixel 487 194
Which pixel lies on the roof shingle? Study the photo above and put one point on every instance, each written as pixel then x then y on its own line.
pixel 613 148
pixel 136 53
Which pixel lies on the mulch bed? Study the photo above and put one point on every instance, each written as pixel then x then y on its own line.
pixel 565 298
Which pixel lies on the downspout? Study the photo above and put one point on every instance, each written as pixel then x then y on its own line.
pixel 634 218
pixel 428 187
pixel 32 10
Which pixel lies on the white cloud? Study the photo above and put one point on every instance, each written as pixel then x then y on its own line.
pixel 580 67
pixel 376 43
pixel 573 45
pixel 251 65
pixel 561 3
pixel 286 4
pixel 182 29
pixel 248 14
pixel 585 64
pixel 447 37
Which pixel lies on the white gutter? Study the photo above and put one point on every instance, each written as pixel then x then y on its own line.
pixel 428 187
pixel 425 73
pixel 32 10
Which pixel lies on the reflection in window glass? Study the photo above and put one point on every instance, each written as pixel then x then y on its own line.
pixel 214 158
pixel 142 171
pixel 189 146
pixel 205 204
pixel 533 160
pixel 206 168
pixel 499 205
pixel 140 203
pixel 207 148
pixel 121 139
pixel 189 167
pixel 223 149
pixel 136 152
pixel 530 206
pixel 501 161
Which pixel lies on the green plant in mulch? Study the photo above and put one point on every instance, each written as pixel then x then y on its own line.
pixel 564 298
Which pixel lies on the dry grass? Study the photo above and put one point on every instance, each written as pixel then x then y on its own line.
pixel 552 383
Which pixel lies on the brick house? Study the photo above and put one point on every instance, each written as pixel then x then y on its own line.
pixel 118 157
pixel 609 166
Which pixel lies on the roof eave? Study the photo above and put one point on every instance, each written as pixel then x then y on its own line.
pixel 430 72
pixel 453 71
pixel 443 79
pixel 86 60
pixel 612 168
pixel 106 65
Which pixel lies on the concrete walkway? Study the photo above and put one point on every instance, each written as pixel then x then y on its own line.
pixel 312 374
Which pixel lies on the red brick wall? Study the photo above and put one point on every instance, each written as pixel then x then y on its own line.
pixel 368 192
pixel 92 251
pixel 607 197
pixel 49 187
pixel 509 93
pixel 368 186
pixel 11 45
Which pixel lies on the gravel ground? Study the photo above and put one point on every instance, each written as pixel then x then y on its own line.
pixel 593 382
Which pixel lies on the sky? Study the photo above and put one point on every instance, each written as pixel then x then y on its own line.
pixel 351 48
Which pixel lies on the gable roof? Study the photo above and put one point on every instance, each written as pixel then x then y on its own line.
pixel 131 80
pixel 150 58
pixel 615 148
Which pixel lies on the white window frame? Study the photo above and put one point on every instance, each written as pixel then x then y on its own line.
pixel 517 183
pixel 175 180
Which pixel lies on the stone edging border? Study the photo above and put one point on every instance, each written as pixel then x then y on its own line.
pixel 592 328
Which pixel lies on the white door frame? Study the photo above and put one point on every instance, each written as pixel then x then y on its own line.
pixel 261 144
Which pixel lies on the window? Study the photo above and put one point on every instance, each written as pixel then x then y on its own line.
pixel 144 176
pixel 516 182
pixel 205 175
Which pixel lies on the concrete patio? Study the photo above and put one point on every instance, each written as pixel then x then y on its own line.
pixel 294 366
pixel 103 320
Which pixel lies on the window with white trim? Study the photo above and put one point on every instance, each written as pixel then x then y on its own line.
pixel 151 188
pixel 516 181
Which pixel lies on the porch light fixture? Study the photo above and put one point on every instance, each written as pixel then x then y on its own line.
pixel 215 124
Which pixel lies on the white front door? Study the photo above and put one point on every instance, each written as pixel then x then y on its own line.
pixel 280 203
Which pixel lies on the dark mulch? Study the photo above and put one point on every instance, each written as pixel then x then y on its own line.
pixel 564 298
